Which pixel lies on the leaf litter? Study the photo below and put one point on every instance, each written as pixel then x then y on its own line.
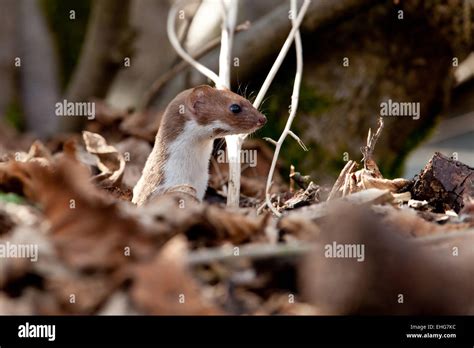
pixel 97 253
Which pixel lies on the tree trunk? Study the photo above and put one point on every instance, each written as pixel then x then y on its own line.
pixel 38 71
pixel 7 53
pixel 103 53
pixel 257 46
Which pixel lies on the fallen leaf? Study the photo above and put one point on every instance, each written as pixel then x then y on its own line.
pixel 164 286
pixel 109 161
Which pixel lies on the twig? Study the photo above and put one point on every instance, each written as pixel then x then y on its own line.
pixel 348 168
pixel 292 180
pixel 254 252
pixel 270 140
pixel 222 180
pixel 281 56
pixel 179 49
pixel 227 37
pixel 368 150
pixel 347 185
pixel 233 142
pixel 302 181
pixel 298 140
pixel 294 97
pixel 176 69
pixel 237 140
pixel 266 251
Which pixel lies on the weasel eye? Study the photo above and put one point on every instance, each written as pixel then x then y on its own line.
pixel 235 108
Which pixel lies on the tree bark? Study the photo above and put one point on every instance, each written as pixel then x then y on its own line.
pixel 102 55
pixel 7 53
pixel 39 88
pixel 265 37
pixel 154 54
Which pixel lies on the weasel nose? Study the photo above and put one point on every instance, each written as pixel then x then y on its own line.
pixel 261 120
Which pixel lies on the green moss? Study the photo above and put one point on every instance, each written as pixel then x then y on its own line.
pixel 311 104
pixel 11 198
pixel 68 33
pixel 13 115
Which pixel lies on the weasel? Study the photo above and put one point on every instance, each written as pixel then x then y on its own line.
pixel 183 144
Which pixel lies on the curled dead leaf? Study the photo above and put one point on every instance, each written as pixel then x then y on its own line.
pixel 110 161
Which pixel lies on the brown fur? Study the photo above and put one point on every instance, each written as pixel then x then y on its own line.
pixel 219 108
pixel 203 104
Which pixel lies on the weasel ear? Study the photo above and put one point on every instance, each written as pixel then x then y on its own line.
pixel 198 96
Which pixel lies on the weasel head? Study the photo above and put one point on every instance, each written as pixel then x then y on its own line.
pixel 223 112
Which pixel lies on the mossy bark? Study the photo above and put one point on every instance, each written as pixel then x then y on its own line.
pixel 403 59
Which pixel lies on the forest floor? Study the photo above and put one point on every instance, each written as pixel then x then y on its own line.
pixel 71 242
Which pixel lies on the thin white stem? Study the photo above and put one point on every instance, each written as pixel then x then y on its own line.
pixel 294 99
pixel 296 22
pixel 179 49
pixel 297 138
pixel 234 146
pixel 234 143
pixel 270 140
pixel 348 168
pixel 229 21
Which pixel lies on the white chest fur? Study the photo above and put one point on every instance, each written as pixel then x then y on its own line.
pixel 188 158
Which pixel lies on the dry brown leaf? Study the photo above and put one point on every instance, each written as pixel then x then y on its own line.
pixel 14 178
pixel 164 286
pixel 365 180
pixel 302 197
pixel 80 294
pixel 295 226
pixel 32 302
pixel 143 125
pixel 6 222
pixel 88 230
pixel 135 152
pixel 34 244
pixel 409 223
pixel 351 181
pixel 38 150
pixel 110 161
pixel 234 227
pixel 205 224
pixel 363 198
pixel 12 141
